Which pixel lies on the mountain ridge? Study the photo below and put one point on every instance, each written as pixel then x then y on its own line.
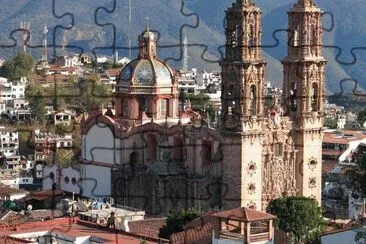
pixel 166 17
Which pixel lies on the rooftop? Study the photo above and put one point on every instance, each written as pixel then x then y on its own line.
pixel 244 214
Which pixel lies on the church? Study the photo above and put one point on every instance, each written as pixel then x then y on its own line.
pixel 154 156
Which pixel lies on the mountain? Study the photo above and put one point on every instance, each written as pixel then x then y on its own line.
pixel 167 19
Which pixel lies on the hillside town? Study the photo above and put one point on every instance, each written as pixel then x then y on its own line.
pixel 102 149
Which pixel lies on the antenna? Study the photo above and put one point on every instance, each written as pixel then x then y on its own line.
pixel 129 28
pixel 26 31
pixel 185 52
pixel 45 49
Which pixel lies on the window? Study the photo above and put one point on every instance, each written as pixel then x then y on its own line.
pixel 73 181
pixel 124 107
pixel 52 176
pixel 253 100
pixel 314 98
pixel 164 103
pixel 277 149
pixel 142 105
pixel 67 180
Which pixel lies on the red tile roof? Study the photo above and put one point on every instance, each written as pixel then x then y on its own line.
pixel 147 227
pixel 65 226
pixel 42 195
pixel 202 235
pixel 244 214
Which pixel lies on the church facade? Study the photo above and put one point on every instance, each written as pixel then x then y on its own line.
pixel 155 156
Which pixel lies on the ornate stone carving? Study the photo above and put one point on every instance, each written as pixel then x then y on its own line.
pixel 252 168
pixel 312 182
pixel 251 188
pixel 312 163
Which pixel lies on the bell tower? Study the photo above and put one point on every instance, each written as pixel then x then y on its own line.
pixel 242 67
pixel 242 106
pixel 304 91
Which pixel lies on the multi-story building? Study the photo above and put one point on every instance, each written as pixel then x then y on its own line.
pixel 46 143
pixel 339 146
pixel 9 142
pixel 68 61
pixel 10 91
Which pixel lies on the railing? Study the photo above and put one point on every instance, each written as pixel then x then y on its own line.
pixel 231 235
pixel 259 237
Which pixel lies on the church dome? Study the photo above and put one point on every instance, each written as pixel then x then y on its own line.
pixel 146 72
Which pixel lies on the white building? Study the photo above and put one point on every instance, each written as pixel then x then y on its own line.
pixel 67 178
pixel 10 91
pixel 343 236
pixel 68 61
pixel 9 145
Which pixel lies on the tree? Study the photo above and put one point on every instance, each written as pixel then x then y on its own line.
pixel 176 222
pixel 34 95
pixel 361 117
pixel 20 66
pixel 356 180
pixel 299 216
pixel 331 123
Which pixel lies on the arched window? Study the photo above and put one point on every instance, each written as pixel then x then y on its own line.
pixel 151 147
pixel 178 148
pixel 124 108
pixel 133 159
pixel 206 153
pixel 293 92
pixel 164 107
pixel 314 97
pixel 253 100
pixel 277 148
pixel 142 104
pixel 251 36
pixel 296 36
pixel 312 35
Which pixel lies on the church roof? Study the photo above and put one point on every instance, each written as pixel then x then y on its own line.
pixel 146 72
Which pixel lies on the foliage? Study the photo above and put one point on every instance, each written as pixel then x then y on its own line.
pixel 361 117
pixel 20 66
pixel 299 216
pixel 35 96
pixel 356 179
pixel 200 103
pixel 175 222
pixel 331 123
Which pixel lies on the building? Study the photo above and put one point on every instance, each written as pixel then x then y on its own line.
pixel 10 91
pixel 149 148
pixel 339 146
pixel 240 225
pixel 68 61
pixel 9 142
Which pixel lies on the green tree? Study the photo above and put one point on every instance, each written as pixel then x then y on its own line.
pixel 361 117
pixel 356 179
pixel 94 93
pixel 20 66
pixel 331 123
pixel 299 216
pixel 35 96
pixel 176 222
